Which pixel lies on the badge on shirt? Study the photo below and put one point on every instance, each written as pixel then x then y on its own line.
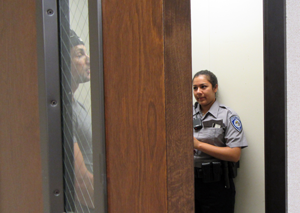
pixel 236 123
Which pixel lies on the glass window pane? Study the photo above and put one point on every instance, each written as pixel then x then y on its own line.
pixel 76 111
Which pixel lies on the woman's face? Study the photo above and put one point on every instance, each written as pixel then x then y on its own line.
pixel 204 93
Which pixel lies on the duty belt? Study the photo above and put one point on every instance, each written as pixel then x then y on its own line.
pixel 198 173
pixel 210 171
pixel 213 171
pixel 199 161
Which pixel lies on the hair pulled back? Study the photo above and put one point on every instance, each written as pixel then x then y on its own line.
pixel 210 77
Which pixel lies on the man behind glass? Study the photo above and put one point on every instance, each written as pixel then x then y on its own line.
pixel 82 133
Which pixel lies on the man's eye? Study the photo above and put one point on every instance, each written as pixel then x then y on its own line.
pixel 80 54
pixel 203 87
pixel 195 88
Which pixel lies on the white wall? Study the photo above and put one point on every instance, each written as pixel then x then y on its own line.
pixel 293 101
pixel 227 39
pixel 79 22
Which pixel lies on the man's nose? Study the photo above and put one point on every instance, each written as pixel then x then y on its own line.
pixel 87 59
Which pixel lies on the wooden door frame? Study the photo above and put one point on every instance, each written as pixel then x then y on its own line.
pixel 275 105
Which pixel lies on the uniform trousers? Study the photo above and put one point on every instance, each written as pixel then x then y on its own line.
pixel 214 197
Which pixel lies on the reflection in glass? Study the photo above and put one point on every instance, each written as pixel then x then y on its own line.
pixel 76 109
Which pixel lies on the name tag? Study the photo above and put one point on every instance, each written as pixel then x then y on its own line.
pixel 216 125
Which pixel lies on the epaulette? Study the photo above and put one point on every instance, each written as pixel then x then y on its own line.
pixel 223 106
pixel 228 108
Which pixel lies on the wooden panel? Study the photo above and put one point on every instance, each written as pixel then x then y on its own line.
pixel 148 106
pixel 178 84
pixel 20 162
pixel 134 106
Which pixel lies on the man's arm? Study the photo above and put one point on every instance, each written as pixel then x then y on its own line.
pixel 84 180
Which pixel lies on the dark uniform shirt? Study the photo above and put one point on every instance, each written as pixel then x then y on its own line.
pixel 221 127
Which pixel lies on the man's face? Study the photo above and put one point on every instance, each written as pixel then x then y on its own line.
pixel 80 64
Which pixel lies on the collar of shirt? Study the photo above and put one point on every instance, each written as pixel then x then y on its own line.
pixel 213 109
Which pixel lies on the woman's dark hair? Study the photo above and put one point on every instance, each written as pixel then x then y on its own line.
pixel 210 77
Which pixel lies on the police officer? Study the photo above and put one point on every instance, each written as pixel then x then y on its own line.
pixel 218 139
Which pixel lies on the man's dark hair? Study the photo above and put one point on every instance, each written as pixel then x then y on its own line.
pixel 74 39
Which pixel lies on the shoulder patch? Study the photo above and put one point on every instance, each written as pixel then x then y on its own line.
pixel 236 123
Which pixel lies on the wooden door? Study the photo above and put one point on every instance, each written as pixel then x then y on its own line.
pixel 20 158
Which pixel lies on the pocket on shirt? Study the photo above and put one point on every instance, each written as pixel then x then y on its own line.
pixel 219 137
pixel 206 135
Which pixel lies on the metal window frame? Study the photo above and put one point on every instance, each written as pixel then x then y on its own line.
pixel 50 105
pixel 97 95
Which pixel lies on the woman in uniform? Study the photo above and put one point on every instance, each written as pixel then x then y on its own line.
pixel 218 139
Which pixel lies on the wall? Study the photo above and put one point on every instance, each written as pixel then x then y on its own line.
pixel 227 38
pixel 293 100
pixel 79 22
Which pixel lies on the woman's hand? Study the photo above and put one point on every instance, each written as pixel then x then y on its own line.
pixel 222 153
